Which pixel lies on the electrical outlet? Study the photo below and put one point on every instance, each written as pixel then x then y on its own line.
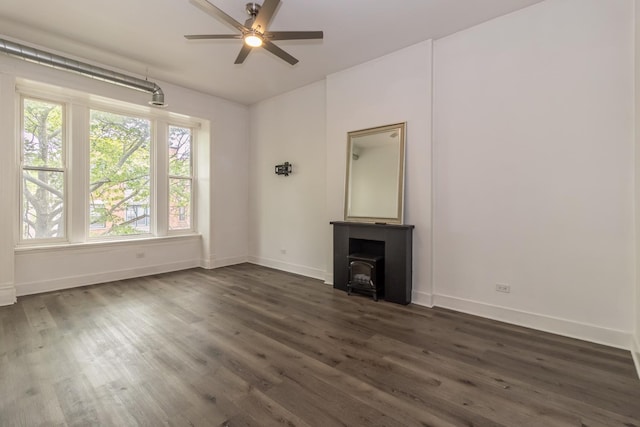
pixel 501 287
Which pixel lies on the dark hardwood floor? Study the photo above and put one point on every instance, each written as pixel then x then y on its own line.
pixel 247 345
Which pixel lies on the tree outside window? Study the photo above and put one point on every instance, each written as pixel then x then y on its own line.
pixel 43 170
pixel 120 159
pixel 180 178
pixel 119 166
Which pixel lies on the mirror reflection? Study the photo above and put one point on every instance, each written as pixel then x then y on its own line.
pixel 375 174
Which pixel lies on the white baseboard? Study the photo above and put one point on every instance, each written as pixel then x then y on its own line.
pixel 568 328
pixel 223 262
pixel 213 262
pixel 328 278
pixel 303 270
pixel 92 279
pixel 7 294
pixel 635 352
pixel 207 263
pixel 422 298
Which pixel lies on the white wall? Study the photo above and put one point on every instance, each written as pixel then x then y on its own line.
pixel 635 349
pixel 288 220
pixel 7 191
pixel 223 189
pixel 533 155
pixel 392 89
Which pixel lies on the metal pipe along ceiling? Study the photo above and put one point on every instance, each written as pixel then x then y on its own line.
pixel 60 62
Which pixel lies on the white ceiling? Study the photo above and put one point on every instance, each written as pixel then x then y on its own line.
pixel 145 37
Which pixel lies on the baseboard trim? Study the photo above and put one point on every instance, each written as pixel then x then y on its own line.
pixel 422 298
pixel 93 279
pixel 207 263
pixel 224 262
pixel 213 262
pixel 328 278
pixel 568 328
pixel 635 352
pixel 7 294
pixel 303 270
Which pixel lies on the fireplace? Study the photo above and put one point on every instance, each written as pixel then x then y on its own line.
pixel 366 275
pixel 392 243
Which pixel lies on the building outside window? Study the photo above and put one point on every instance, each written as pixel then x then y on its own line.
pixel 120 173
pixel 180 178
pixel 137 216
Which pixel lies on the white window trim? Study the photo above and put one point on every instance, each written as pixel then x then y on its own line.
pixel 103 244
pixel 192 178
pixel 64 170
pixel 76 104
pixel 153 171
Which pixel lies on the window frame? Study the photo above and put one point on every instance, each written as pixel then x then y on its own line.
pixel 153 170
pixel 64 170
pixel 192 180
pixel 76 127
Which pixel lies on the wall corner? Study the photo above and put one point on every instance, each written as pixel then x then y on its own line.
pixel 7 294
pixel 635 353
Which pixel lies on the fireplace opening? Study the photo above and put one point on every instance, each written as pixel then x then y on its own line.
pixel 366 274
pixel 365 246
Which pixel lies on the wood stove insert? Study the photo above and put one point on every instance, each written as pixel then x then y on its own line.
pixel 366 275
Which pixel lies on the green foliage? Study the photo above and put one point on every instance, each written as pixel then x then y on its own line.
pixel 120 159
pixel 120 167
pixel 179 151
pixel 42 191
pixel 180 172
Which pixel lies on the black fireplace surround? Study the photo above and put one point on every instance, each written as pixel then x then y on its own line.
pixel 390 241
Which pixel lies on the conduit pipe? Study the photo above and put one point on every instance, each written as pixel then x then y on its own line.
pixel 60 62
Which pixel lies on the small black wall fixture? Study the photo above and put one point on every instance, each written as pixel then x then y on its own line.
pixel 283 169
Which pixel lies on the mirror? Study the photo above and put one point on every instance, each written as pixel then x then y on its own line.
pixel 375 175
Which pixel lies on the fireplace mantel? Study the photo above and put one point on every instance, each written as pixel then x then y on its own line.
pixel 392 241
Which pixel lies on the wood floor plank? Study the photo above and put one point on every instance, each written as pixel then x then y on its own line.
pixel 251 346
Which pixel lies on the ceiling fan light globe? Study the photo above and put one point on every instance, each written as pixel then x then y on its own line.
pixel 253 40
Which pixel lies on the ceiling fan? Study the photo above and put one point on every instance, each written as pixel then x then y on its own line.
pixel 254 31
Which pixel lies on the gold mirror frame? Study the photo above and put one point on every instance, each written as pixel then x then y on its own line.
pixel 374 185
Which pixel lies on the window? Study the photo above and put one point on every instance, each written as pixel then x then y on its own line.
pixel 43 170
pixel 122 171
pixel 180 178
pixel 138 216
pixel 98 216
pixel 120 174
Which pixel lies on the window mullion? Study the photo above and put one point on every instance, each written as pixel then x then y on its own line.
pixel 161 182
pixel 78 160
pixel 43 169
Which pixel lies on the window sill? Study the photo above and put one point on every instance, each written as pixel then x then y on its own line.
pixel 104 244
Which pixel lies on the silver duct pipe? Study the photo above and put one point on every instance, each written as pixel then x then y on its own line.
pixel 60 62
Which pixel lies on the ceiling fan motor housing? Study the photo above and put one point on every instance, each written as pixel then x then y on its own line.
pixel 252 9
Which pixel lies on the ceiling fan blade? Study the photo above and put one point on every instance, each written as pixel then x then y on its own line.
pixel 218 13
pixel 212 36
pixel 243 54
pixel 264 16
pixel 294 35
pixel 279 52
